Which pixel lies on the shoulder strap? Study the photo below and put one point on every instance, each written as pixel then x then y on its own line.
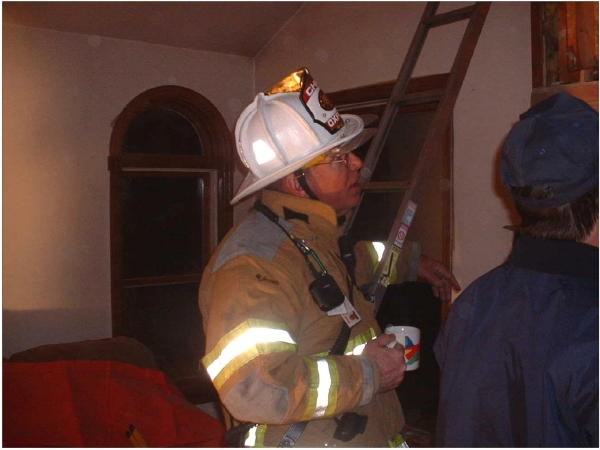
pixel 347 253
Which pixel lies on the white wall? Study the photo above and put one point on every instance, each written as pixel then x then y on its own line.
pixel 349 44
pixel 61 91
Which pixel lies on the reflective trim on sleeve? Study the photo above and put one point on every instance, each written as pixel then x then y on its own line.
pixel 323 388
pixel 256 436
pixel 240 346
pixel 250 440
pixel 397 442
pixel 322 393
pixel 357 344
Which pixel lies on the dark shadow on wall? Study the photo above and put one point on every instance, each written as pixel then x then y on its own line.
pixel 413 304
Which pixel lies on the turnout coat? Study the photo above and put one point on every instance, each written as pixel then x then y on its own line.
pixel 267 342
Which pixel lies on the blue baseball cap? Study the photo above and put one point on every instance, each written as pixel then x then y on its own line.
pixel 552 149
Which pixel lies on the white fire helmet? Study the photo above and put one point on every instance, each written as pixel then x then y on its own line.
pixel 286 127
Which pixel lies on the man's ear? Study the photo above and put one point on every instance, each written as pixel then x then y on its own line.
pixel 291 185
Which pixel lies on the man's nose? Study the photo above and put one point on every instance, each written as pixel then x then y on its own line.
pixel 354 162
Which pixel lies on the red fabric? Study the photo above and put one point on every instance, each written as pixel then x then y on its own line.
pixel 93 404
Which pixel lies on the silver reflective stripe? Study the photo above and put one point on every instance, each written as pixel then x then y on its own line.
pixel 357 350
pixel 323 388
pixel 251 437
pixel 244 342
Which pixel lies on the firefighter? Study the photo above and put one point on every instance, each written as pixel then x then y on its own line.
pixel 292 345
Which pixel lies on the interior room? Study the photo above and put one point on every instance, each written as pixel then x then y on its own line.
pixel 106 231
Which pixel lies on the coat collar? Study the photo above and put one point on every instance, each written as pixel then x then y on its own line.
pixel 290 207
pixel 555 256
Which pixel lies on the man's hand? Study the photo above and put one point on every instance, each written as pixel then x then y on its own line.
pixel 441 279
pixel 389 360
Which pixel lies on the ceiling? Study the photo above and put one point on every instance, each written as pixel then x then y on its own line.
pixel 240 28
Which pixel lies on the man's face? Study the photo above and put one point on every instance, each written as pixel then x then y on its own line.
pixel 336 182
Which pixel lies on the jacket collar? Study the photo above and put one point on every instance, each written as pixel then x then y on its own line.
pixel 555 256
pixel 290 207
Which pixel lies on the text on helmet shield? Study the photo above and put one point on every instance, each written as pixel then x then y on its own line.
pixel 319 106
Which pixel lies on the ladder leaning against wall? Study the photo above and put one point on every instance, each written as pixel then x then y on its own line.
pixel 446 98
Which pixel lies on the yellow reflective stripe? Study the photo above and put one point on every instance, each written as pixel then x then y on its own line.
pixel 356 345
pixel 333 391
pixel 247 341
pixel 248 356
pixel 237 331
pixel 260 435
pixel 313 379
pixel 397 442
pixel 323 385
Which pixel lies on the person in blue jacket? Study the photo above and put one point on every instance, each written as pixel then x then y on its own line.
pixel 519 352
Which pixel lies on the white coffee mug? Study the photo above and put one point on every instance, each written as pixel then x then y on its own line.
pixel 410 338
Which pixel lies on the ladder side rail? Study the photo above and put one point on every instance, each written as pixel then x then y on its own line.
pixel 414 49
pixel 398 90
pixel 391 108
pixel 459 70
pixel 452 16
pixel 438 126
pixel 398 95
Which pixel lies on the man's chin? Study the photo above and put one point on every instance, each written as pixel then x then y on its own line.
pixel 354 202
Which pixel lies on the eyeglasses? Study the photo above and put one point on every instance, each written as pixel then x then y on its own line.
pixel 334 156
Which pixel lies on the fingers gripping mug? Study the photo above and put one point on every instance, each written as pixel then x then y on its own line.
pixel 410 338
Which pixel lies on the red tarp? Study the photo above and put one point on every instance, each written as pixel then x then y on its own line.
pixel 94 403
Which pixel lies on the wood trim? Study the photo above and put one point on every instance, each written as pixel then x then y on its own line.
pixel 537 45
pixel 386 186
pixel 116 263
pixel 119 162
pixel 587 91
pixel 563 56
pixel 161 281
pixel 382 91
pixel 564 47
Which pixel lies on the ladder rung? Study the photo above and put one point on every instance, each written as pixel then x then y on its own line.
pixel 450 16
pixel 419 97
pixel 364 105
pixel 386 186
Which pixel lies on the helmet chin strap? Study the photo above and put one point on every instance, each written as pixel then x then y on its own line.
pixel 301 177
